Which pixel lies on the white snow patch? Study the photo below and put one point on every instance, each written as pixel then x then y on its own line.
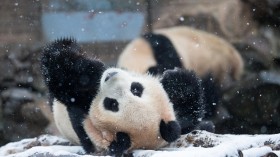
pixel 253 152
pixel 208 144
pixel 277 152
pixel 54 150
pixel 224 145
pixel 15 146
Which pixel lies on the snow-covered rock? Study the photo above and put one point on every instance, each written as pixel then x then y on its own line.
pixel 195 144
pixel 44 144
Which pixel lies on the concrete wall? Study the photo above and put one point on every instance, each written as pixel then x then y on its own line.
pixel 20 21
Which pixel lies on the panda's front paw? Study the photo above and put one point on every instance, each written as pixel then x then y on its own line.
pixel 170 131
pixel 120 145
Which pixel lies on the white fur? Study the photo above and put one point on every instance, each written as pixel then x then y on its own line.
pixel 63 122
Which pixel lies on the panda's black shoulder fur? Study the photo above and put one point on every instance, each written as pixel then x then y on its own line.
pixel 164 52
pixel 70 77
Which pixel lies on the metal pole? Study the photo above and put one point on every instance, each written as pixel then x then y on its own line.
pixel 149 16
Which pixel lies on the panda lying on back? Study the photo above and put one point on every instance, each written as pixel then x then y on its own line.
pixel 112 109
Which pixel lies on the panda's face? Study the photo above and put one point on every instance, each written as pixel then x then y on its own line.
pixel 131 103
pixel 119 89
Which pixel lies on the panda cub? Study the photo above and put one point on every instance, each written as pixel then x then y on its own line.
pixel 115 110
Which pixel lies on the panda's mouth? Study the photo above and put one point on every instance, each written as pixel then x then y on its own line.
pixel 110 75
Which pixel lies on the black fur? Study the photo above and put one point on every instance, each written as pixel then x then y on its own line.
pixel 136 89
pixel 73 80
pixel 70 76
pixel 164 52
pixel 120 145
pixel 111 104
pixel 77 116
pixel 185 92
pixel 170 131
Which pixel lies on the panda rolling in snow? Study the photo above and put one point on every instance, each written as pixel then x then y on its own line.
pixel 112 109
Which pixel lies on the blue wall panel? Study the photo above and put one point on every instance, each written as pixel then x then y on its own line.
pixel 91 26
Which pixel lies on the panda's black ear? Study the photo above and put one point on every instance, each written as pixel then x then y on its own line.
pixel 185 92
pixel 69 75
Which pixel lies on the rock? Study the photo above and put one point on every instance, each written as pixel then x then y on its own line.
pixel 43 140
pixel 33 114
pixel 270 77
pixel 230 18
pixel 11 110
pixel 18 94
pixel 202 21
pixel 254 60
pixel 196 143
pixel 254 105
pixel 265 11
pixel 7 75
pixel 22 88
pixel 21 63
pixel 22 116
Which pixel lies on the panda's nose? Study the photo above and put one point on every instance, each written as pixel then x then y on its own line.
pixel 109 75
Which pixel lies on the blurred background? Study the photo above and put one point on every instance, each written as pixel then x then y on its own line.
pixel 103 28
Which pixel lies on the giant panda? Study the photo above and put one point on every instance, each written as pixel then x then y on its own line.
pixel 111 109
pixel 185 47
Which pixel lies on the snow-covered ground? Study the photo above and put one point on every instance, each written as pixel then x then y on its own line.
pixel 195 144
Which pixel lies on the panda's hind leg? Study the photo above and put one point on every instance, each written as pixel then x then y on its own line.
pixel 73 80
pixel 69 75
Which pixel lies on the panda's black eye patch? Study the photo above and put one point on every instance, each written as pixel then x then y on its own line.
pixel 136 89
pixel 111 104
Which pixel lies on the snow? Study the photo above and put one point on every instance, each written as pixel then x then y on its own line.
pixel 253 152
pixel 277 153
pixel 215 152
pixel 54 150
pixel 195 144
pixel 14 147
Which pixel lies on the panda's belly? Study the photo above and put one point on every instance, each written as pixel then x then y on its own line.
pixel 63 122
